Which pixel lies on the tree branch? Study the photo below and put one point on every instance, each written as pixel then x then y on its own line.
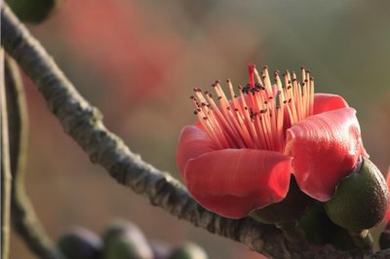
pixel 23 215
pixel 83 123
pixel 5 167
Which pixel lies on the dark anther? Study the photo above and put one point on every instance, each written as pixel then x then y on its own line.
pixel 246 89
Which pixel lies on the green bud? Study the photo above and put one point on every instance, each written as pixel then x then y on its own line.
pixel 80 243
pixel 360 200
pixel 188 251
pixel 288 210
pixel 117 228
pixel 33 11
pixel 123 240
pixel 320 230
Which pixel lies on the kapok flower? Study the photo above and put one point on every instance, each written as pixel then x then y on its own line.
pixel 241 153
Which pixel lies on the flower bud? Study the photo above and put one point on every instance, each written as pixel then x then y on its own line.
pixel 360 200
pixel 33 11
pixel 80 243
pixel 124 240
pixel 160 249
pixel 188 251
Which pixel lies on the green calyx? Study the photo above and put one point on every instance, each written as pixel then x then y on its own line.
pixel 318 229
pixel 360 200
pixel 288 210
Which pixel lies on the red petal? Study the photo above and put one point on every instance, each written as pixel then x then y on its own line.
pixel 232 182
pixel 325 147
pixel 193 141
pixel 388 186
pixel 328 102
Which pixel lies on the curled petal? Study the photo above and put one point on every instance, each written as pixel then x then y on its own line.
pixel 232 182
pixel 326 147
pixel 328 102
pixel 193 141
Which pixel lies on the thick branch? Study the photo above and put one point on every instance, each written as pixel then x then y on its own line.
pixel 5 167
pixel 83 123
pixel 23 216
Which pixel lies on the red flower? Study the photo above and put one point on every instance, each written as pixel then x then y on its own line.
pixel 241 153
pixel 387 217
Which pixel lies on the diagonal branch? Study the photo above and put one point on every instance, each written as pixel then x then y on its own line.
pixel 83 123
pixel 24 219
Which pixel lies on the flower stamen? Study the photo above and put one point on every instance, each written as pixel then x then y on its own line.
pixel 258 117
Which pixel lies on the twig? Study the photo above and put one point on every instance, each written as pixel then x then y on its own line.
pixel 5 168
pixel 23 215
pixel 83 123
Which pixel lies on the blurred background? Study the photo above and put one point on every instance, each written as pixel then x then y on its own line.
pixel 138 62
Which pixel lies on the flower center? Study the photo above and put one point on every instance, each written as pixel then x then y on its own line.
pixel 259 116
